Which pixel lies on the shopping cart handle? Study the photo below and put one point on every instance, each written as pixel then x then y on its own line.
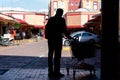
pixel 73 39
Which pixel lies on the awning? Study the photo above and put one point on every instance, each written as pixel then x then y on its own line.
pixel 6 18
pixel 97 15
pixel 93 22
pixel 38 26
pixel 1 18
pixel 22 22
pixel 89 24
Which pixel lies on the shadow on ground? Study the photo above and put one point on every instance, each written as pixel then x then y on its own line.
pixel 35 62
pixel 27 62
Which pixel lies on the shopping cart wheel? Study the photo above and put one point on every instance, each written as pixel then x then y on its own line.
pixel 92 72
pixel 67 71
pixel 74 73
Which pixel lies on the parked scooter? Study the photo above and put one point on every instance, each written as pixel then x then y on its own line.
pixel 6 40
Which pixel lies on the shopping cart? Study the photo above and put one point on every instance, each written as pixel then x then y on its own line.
pixel 80 51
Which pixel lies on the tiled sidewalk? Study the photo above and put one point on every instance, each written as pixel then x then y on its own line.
pixel 41 74
pixel 35 68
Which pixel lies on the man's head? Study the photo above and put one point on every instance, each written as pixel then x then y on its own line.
pixel 59 12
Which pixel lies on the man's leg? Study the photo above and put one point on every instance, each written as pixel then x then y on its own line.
pixel 50 62
pixel 57 58
pixel 57 61
pixel 50 58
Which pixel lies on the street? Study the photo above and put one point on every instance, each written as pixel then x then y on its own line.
pixel 38 49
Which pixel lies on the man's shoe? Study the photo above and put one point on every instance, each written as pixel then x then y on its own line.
pixel 59 75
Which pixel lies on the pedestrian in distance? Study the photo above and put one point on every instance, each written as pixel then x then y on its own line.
pixel 54 31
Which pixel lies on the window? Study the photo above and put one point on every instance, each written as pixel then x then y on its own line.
pixel 71 10
pixel 62 5
pixel 76 4
pixel 87 34
pixel 71 4
pixel 88 5
pixel 77 36
pixel 55 4
pixel 54 7
pixel 95 5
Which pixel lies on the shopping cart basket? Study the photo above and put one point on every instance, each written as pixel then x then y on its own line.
pixel 80 51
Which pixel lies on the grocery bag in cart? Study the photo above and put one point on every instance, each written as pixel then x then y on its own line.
pixel 81 50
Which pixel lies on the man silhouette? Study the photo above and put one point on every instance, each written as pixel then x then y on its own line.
pixel 54 30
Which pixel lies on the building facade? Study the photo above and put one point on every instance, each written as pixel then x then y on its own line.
pixel 54 4
pixel 32 18
pixel 73 5
pixel 91 4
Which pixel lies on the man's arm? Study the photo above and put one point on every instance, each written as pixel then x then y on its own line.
pixel 65 31
pixel 46 29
